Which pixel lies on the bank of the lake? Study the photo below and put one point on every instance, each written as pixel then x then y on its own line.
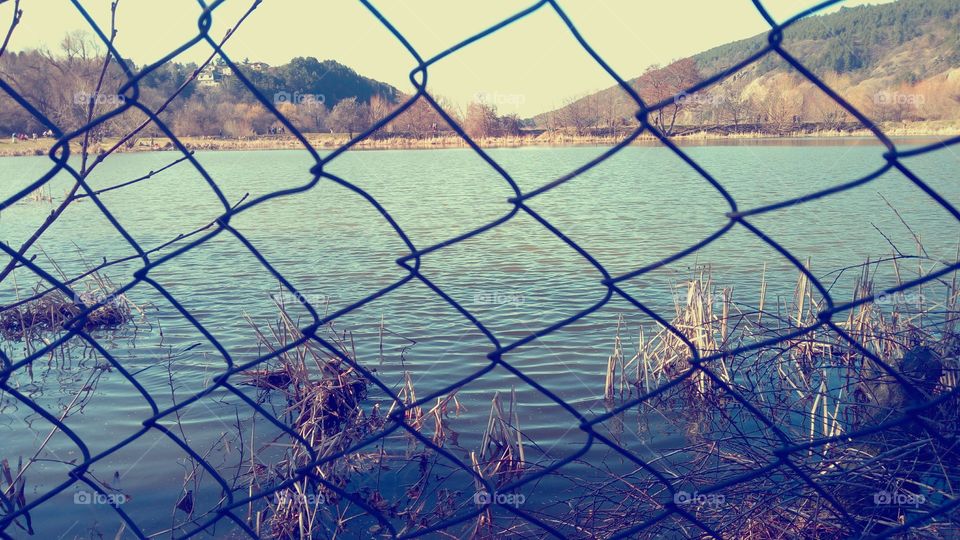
pixel 714 135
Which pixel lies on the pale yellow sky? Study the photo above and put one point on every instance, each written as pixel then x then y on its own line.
pixel 529 67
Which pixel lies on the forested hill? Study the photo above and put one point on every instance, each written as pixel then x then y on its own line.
pixel 909 40
pixel 899 61
pixel 216 102
pixel 329 78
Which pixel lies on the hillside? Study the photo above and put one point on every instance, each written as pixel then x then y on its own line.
pixel 908 40
pixel 328 78
pixel 897 61
pixel 215 103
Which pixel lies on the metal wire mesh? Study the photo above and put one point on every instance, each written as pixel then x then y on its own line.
pixel 499 355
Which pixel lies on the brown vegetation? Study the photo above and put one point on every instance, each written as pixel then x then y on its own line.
pixel 815 387
pixel 53 311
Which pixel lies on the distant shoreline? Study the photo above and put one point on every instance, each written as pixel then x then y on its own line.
pixel 326 141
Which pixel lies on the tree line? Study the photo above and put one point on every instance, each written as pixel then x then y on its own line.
pixel 316 96
pixel 325 96
pixel 776 101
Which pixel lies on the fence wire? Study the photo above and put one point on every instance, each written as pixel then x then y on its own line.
pixel 785 458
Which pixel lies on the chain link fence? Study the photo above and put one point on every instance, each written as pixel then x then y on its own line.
pixel 785 460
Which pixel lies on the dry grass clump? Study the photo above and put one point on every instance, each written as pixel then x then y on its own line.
pixel 500 462
pixel 40 195
pixel 817 389
pixel 813 387
pixel 51 311
pixel 13 487
pixel 325 401
pixel 323 397
pixel 501 450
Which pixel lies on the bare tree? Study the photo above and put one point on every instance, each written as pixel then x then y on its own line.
pixel 509 125
pixel 823 109
pixel 781 106
pixel 579 114
pixel 659 84
pixel 420 120
pixel 733 107
pixel 349 116
pixel 379 108
pixel 480 120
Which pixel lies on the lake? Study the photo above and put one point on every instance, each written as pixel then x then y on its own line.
pixel 517 279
